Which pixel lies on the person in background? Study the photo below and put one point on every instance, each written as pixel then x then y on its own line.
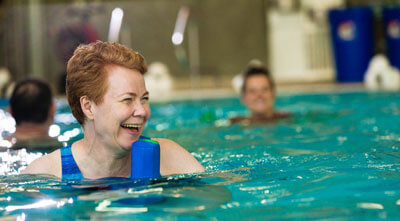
pixel 107 95
pixel 32 107
pixel 258 95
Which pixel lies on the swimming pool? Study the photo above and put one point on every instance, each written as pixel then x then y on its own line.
pixel 337 158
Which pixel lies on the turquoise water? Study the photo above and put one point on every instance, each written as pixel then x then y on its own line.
pixel 337 158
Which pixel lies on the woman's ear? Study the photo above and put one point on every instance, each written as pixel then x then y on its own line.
pixel 87 107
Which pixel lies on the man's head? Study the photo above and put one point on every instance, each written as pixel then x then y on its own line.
pixel 258 91
pixel 87 72
pixel 31 101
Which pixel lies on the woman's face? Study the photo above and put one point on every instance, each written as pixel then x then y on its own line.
pixel 119 120
pixel 258 95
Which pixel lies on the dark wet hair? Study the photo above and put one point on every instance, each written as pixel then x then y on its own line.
pixel 30 101
pixel 252 71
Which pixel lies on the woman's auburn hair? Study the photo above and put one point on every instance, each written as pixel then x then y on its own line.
pixel 87 72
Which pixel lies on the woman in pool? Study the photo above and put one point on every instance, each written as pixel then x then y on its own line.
pixel 107 95
pixel 258 95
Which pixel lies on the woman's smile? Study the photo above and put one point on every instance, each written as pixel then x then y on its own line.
pixel 133 129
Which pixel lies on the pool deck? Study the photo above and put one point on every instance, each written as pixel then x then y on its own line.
pixel 319 88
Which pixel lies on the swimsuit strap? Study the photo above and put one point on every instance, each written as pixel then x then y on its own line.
pixel 70 170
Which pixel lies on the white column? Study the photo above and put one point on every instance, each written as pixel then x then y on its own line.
pixel 35 38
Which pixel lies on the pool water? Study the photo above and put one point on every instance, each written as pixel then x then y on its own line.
pixel 336 158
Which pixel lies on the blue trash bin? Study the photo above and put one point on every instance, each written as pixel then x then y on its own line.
pixel 391 20
pixel 351 32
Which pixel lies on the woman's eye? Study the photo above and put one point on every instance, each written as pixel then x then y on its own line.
pixel 145 98
pixel 127 100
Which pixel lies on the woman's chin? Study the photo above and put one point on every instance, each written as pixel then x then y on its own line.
pixel 127 145
pixel 128 140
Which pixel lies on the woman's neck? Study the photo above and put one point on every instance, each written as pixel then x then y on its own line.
pixel 101 161
pixel 265 115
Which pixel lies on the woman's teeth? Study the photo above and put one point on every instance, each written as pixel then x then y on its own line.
pixel 131 126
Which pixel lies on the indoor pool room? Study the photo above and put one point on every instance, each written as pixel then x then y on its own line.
pixel 199 110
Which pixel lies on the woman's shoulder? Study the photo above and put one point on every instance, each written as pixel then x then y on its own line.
pixel 165 141
pixel 169 146
pixel 282 114
pixel 174 159
pixel 247 120
pixel 239 119
pixel 47 164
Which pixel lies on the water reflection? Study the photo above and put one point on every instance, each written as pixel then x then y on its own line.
pixel 106 198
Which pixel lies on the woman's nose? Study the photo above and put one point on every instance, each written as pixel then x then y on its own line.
pixel 259 94
pixel 139 110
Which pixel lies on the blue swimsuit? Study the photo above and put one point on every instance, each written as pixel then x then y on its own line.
pixel 70 170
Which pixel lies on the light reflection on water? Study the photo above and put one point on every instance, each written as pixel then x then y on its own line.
pixel 14 161
pixel 337 158
pixel 7 123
